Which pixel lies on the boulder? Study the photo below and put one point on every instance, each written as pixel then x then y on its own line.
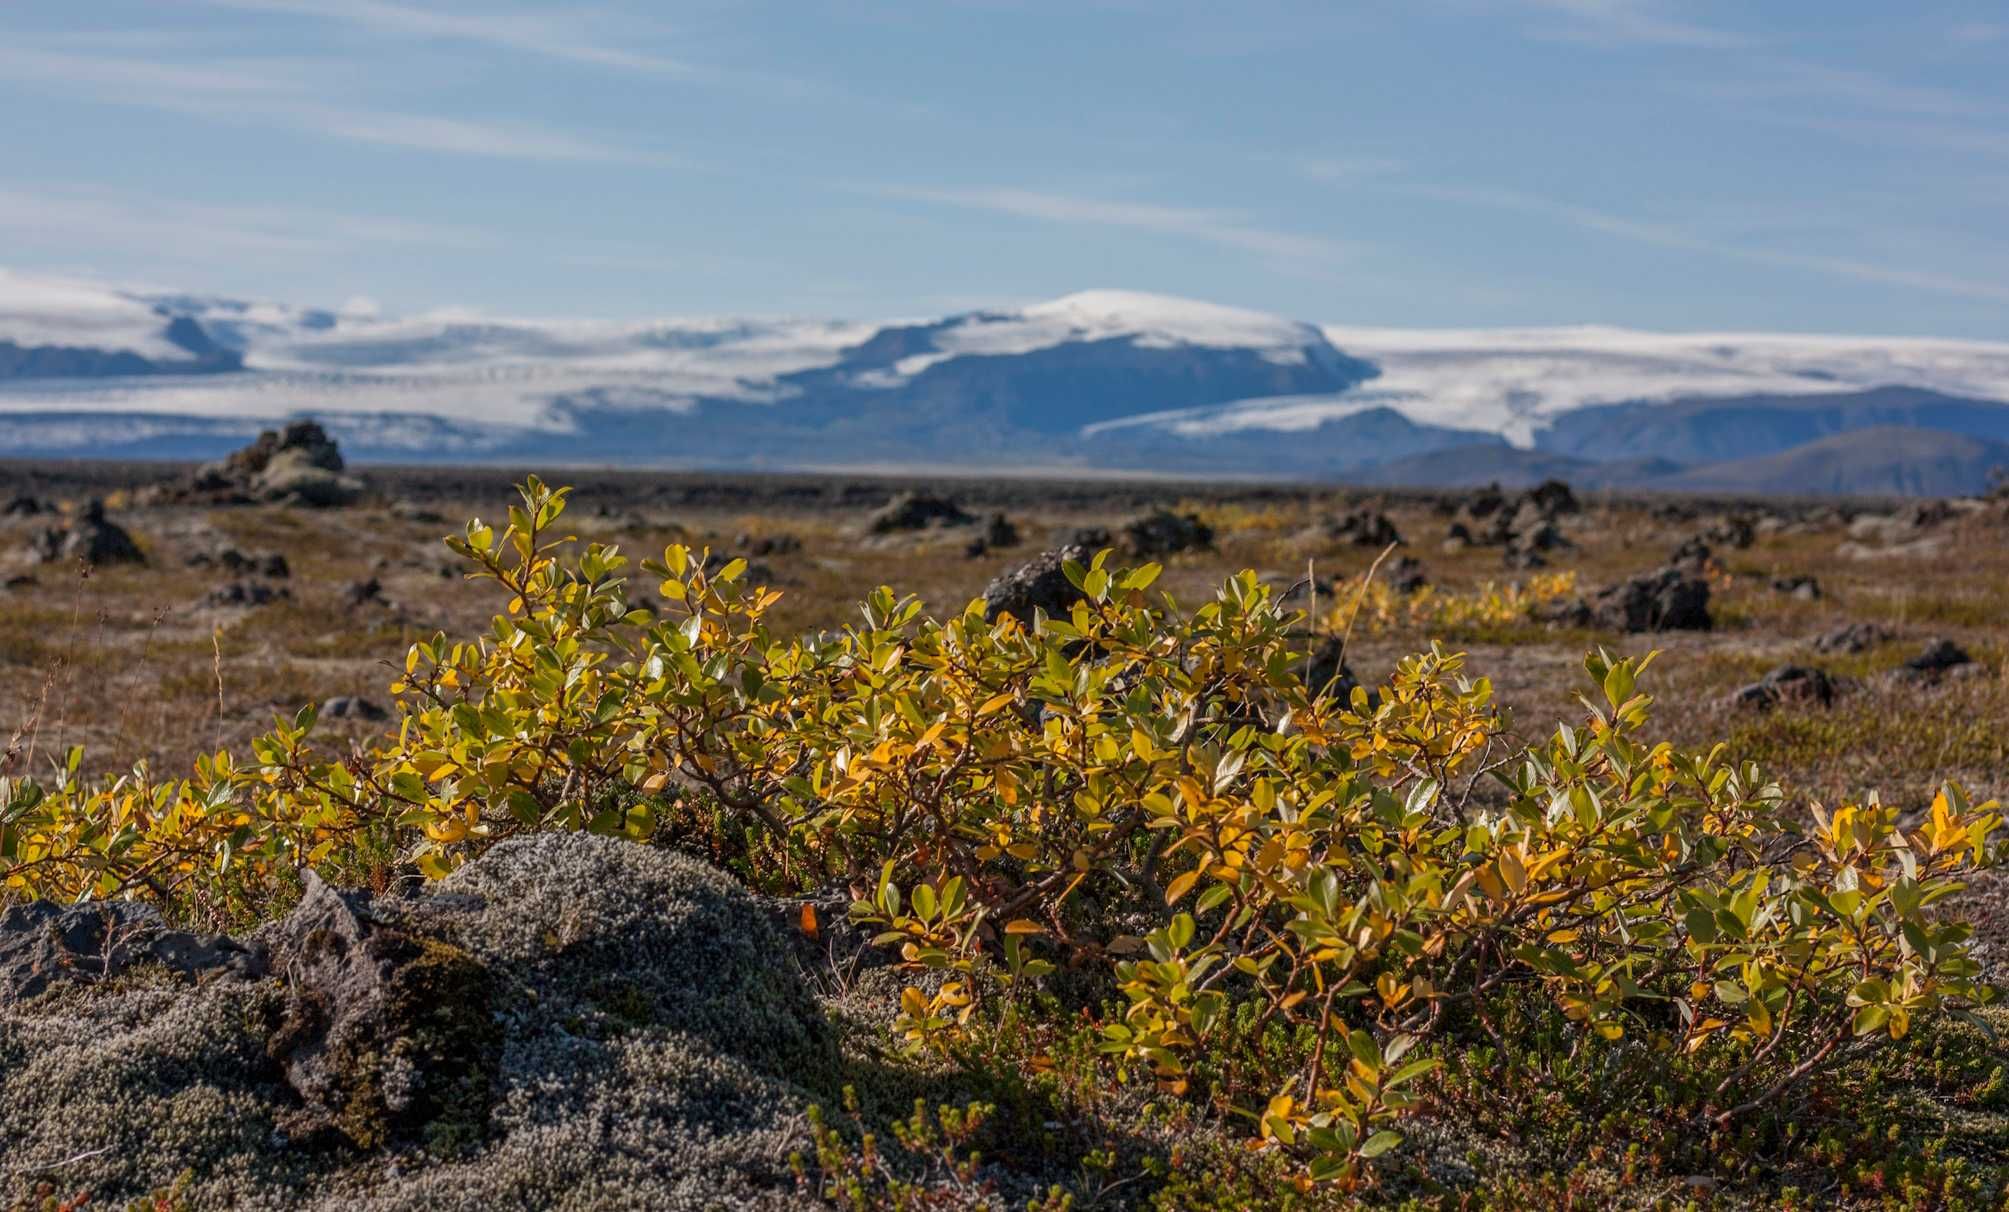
pixel 998 533
pixel 1853 638
pixel 245 593
pixel 91 539
pixel 352 707
pixel 43 943
pixel 1939 656
pixel 1671 599
pixel 297 465
pixel 1162 533
pixel 1803 588
pixel 916 511
pixel 1363 527
pixel 566 1022
pixel 1786 684
pixel 1038 584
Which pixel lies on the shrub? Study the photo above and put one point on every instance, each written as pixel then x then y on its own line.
pixel 1137 787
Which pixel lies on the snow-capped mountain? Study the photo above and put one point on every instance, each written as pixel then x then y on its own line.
pixel 1109 379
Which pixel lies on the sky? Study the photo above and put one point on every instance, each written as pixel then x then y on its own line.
pixel 1836 166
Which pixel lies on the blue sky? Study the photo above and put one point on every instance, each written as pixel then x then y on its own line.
pixel 1793 165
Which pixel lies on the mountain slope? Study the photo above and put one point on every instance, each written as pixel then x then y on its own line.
pixel 1882 461
pixel 1101 379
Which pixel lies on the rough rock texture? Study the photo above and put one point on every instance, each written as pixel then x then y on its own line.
pixel 1939 656
pixel 917 511
pixel 567 1022
pixel 1038 584
pixel 1162 533
pixel 43 943
pixel 91 538
pixel 1786 684
pixel 1671 599
pixel 1853 637
pixel 299 465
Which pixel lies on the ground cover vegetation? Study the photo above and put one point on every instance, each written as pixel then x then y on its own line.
pixel 1196 920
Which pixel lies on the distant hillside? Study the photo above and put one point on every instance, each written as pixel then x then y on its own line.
pixel 1100 380
pixel 1887 460
pixel 1739 427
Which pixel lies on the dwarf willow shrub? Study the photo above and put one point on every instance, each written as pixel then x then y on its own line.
pixel 1372 606
pixel 1003 796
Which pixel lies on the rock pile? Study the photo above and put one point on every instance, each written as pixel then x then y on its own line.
pixel 299 465
pixel 916 511
pixel 1162 533
pixel 1670 599
pixel 91 538
pixel 1524 526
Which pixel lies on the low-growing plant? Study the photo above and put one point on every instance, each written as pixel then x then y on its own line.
pixel 1135 787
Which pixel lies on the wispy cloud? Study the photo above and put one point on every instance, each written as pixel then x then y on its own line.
pixel 251 92
pixel 553 35
pixel 1993 290
pixel 1225 228
pixel 52 216
pixel 1631 22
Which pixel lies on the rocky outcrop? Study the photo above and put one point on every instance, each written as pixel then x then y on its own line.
pixel 91 539
pixel 566 1022
pixel 1671 599
pixel 1039 584
pixel 916 511
pixel 297 465
pixel 1162 533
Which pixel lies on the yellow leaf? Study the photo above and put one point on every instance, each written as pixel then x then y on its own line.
pixel 1181 885
pixel 808 920
pixel 1024 925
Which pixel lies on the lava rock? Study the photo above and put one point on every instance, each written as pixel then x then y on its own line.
pixel 92 539
pixel 1853 637
pixel 351 707
pixel 1803 588
pixel 917 511
pixel 1040 584
pixel 1939 656
pixel 44 943
pixel 245 593
pixel 1162 533
pixel 1671 599
pixel 1786 684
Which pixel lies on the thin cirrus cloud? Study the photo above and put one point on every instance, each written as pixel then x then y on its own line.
pixel 1224 228
pixel 528 33
pixel 1666 236
pixel 194 232
pixel 1616 22
pixel 261 92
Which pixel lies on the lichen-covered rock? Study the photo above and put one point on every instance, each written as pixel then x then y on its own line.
pixel 567 1022
pixel 297 465
pixel 1038 584
pixel 43 943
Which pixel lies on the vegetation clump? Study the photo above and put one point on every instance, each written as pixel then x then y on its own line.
pixel 1327 920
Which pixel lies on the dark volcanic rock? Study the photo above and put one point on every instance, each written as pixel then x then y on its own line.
pixel 91 538
pixel 297 465
pixel 917 511
pixel 351 707
pixel 998 533
pixel 1786 684
pixel 1670 599
pixel 362 593
pixel 1805 588
pixel 245 593
pixel 1853 637
pixel 43 943
pixel 21 505
pixel 1038 584
pixel 1405 574
pixel 1938 657
pixel 1163 532
pixel 1363 527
